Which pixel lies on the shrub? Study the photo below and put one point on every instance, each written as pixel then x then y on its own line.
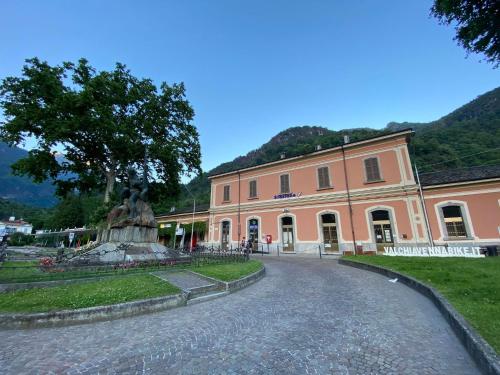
pixel 20 239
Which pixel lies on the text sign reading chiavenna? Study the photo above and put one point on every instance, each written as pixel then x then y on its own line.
pixel 434 251
pixel 287 195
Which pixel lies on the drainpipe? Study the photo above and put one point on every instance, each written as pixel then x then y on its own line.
pixel 239 208
pixel 349 200
pixel 426 217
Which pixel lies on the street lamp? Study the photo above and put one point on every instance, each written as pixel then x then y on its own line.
pixel 194 209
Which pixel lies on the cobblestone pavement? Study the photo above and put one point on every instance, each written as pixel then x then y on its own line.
pixel 183 280
pixel 306 316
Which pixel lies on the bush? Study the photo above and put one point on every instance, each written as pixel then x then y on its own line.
pixel 20 239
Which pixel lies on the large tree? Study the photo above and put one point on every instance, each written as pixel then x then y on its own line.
pixel 103 121
pixel 477 23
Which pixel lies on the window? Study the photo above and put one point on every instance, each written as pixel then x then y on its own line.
pixel 323 178
pixel 284 184
pixel 372 170
pixel 454 221
pixel 226 193
pixel 253 189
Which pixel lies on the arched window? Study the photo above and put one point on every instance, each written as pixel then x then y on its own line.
pixel 454 221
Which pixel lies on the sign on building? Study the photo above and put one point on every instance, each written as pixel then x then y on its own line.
pixel 434 251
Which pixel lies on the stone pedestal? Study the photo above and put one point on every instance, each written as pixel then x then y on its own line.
pixel 130 234
pixel 130 243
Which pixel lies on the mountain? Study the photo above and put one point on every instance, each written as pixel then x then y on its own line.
pixel 22 189
pixel 468 136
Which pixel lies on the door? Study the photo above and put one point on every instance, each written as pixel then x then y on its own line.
pixel 253 233
pixel 287 234
pixel 330 237
pixel 382 229
pixel 226 227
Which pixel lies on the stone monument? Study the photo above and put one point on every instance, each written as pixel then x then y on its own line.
pixel 131 229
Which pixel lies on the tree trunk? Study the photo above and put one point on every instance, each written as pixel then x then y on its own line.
pixel 110 185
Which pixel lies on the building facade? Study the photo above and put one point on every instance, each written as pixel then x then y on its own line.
pixel 361 196
pixel 12 225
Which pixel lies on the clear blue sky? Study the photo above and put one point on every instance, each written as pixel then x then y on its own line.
pixel 254 68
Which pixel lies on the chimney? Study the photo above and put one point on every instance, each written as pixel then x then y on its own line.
pixel 318 147
pixel 282 156
pixel 346 139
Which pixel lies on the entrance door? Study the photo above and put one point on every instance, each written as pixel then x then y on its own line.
pixel 330 238
pixel 287 233
pixel 226 227
pixel 382 229
pixel 253 233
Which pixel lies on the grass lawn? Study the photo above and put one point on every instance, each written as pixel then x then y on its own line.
pixel 27 273
pixel 74 296
pixel 228 271
pixel 472 286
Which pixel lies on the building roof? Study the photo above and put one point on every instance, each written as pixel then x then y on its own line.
pixel 408 131
pixel 199 208
pixel 460 175
pixel 14 222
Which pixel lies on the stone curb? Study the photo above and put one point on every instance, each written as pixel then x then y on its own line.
pixel 482 353
pixel 232 286
pixel 121 310
pixel 91 314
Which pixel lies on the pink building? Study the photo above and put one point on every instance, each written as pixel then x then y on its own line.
pixel 362 195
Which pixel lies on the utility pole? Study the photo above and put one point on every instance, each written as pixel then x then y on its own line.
pixel 426 217
pixel 192 224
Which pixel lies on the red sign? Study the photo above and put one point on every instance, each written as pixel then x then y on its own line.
pixel 269 238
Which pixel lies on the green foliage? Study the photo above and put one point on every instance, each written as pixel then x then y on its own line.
pixel 476 23
pixel 34 215
pixel 105 121
pixel 20 239
pixel 78 211
pixel 199 227
pixel 167 231
pixel 471 285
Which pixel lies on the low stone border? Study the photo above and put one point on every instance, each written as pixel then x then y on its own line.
pixel 482 353
pixel 232 286
pixel 121 310
pixel 91 314
pixel 10 287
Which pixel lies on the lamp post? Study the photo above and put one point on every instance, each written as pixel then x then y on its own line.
pixel 192 224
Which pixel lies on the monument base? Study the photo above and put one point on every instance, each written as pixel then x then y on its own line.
pixel 112 252
pixel 127 244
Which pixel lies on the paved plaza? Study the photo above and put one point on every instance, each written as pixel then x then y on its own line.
pixel 307 316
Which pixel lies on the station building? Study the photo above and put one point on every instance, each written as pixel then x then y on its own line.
pixel 360 196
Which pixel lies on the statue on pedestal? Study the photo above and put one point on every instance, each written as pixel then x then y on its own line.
pixel 131 231
pixel 134 210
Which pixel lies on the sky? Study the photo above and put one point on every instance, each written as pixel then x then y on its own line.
pixel 254 68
